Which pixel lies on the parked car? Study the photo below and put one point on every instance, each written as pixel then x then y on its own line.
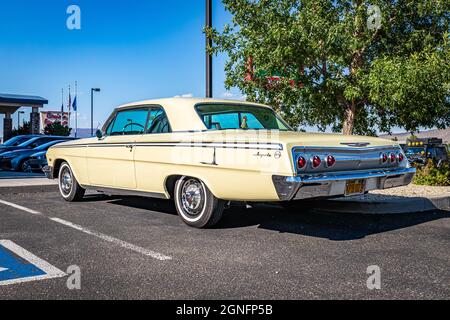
pixel 420 150
pixel 15 141
pixel 18 160
pixel 203 153
pixel 38 161
pixel 30 142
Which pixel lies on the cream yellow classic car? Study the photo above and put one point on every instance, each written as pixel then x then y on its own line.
pixel 204 153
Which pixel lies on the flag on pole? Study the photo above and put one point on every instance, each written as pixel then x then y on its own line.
pixel 74 104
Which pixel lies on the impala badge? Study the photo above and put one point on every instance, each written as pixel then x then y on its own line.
pixel 357 144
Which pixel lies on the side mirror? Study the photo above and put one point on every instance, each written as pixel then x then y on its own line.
pixel 99 134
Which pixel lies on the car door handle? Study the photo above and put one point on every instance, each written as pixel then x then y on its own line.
pixel 129 146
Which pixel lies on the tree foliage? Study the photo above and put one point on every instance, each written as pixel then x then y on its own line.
pixel 24 129
pixel 337 69
pixel 57 129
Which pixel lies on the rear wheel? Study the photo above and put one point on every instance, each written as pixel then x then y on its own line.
pixel 195 203
pixel 68 186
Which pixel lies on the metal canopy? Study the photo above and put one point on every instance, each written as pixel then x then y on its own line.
pixel 22 99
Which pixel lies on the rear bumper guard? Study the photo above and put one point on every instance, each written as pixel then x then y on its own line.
pixel 333 184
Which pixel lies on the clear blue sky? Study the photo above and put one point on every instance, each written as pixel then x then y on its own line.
pixel 132 50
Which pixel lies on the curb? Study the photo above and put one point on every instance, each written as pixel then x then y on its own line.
pixel 398 206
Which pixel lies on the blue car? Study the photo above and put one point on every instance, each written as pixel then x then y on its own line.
pixel 16 141
pixel 38 161
pixel 18 160
pixel 30 142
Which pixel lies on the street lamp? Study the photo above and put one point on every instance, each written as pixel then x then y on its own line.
pixel 209 73
pixel 92 109
pixel 18 118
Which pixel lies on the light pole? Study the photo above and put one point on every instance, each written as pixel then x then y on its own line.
pixel 18 118
pixel 92 109
pixel 209 73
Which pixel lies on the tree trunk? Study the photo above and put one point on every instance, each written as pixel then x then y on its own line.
pixel 349 118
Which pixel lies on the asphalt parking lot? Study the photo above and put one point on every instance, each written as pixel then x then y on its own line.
pixel 137 248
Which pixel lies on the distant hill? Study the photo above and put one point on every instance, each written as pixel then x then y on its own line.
pixel 83 132
pixel 443 134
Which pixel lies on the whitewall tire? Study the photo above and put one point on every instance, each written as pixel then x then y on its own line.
pixel 68 185
pixel 195 203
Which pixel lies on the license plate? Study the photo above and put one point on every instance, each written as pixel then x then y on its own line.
pixel 355 187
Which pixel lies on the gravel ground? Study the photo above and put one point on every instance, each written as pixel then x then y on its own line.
pixel 410 191
pixel 413 190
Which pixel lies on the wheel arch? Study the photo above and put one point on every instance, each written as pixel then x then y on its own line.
pixel 170 181
pixel 57 165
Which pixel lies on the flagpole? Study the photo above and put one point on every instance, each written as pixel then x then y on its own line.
pixel 68 110
pixel 76 111
pixel 62 105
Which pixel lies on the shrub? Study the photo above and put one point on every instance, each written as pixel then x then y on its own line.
pixel 57 129
pixel 431 175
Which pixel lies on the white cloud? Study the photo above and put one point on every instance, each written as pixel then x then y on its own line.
pixel 234 96
pixel 185 95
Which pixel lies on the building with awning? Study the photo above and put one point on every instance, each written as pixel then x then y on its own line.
pixel 10 103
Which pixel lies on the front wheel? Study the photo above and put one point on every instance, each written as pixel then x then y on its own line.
pixel 25 167
pixel 195 203
pixel 68 186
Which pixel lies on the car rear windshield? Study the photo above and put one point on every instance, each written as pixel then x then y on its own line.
pixel 244 117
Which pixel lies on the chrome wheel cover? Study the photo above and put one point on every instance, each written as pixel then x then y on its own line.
pixel 193 197
pixel 65 181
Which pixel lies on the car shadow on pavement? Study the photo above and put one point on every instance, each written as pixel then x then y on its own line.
pixel 322 224
pixel 154 205
pixel 307 222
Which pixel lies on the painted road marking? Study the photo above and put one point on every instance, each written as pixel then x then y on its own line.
pixel 18 265
pixel 123 244
pixel 119 242
pixel 20 207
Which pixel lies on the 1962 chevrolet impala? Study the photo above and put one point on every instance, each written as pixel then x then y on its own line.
pixel 204 153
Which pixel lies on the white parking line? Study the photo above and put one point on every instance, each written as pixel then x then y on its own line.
pixel 20 207
pixel 50 271
pixel 119 242
pixel 123 244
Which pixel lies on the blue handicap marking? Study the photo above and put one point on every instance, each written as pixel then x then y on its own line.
pixel 18 265
pixel 14 267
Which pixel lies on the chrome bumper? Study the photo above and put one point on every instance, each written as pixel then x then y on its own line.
pixel 48 172
pixel 333 184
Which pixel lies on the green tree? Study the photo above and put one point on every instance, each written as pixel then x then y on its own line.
pixel 22 130
pixel 340 63
pixel 57 129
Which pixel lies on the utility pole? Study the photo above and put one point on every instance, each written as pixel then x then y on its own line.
pixel 209 73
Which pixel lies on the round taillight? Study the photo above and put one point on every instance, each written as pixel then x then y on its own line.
pixel 331 161
pixel 383 158
pixel 301 162
pixel 401 157
pixel 392 157
pixel 316 161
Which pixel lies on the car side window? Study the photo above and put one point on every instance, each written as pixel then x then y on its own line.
pixel 129 122
pixel 158 122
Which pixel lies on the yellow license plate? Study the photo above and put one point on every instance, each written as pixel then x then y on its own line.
pixel 355 187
